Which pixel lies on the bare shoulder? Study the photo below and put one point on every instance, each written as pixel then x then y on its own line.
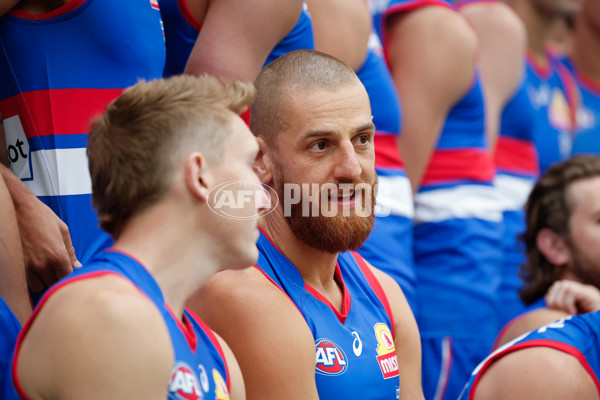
pixel 114 334
pixel 259 321
pixel 528 322
pixel 536 373
pixel 496 16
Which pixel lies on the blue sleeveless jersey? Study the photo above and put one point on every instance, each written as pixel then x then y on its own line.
pixel 9 331
pixel 199 370
pixel 554 95
pixel 578 336
pixel 60 69
pixel 458 227
pixel 181 31
pixel 389 247
pixel 517 171
pixel 587 140
pixel 355 348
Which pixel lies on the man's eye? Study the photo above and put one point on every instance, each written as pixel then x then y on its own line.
pixel 319 146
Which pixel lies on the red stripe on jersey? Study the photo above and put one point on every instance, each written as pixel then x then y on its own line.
pixel 187 15
pixel 386 152
pixel 377 288
pixel 516 155
pixel 448 166
pixel 57 111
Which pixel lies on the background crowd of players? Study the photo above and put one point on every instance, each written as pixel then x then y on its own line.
pixel 472 103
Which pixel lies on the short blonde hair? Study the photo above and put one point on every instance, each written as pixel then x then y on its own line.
pixel 135 147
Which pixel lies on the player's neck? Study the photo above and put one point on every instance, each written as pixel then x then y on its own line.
pixel 316 267
pixel 586 52
pixel 166 242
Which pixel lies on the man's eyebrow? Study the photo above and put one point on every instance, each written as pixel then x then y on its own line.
pixel 328 133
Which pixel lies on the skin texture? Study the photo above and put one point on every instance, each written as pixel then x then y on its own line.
pixel 341 29
pixel 536 373
pixel 118 344
pixel 432 53
pixel 234 41
pixel 502 40
pixel 13 288
pixel 329 139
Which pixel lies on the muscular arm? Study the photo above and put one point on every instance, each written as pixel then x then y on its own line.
pixel 238 35
pixel 432 53
pixel 502 39
pixel 97 339
pixel 47 249
pixel 13 287
pixel 341 29
pixel 406 340
pixel 259 322
pixel 536 373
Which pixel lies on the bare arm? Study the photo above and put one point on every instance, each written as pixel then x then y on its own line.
pixel 249 312
pixel 536 373
pixel 237 391
pixel 13 287
pixel 432 53
pixel 97 339
pixel 502 39
pixel 238 35
pixel 47 249
pixel 341 29
pixel 406 340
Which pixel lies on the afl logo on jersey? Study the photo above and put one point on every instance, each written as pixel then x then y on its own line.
pixel 154 4
pixel 331 359
pixel 184 384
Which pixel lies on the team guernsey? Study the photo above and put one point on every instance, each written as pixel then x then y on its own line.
pixel 59 70
pixel 555 97
pixel 587 140
pixel 181 31
pixel 458 226
pixel 577 336
pixel 8 339
pixel 517 170
pixel 355 352
pixel 389 247
pixel 199 371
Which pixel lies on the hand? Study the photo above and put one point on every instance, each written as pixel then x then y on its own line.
pixel 573 297
pixel 47 249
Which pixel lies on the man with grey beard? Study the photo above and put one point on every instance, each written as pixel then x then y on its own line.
pixel 310 297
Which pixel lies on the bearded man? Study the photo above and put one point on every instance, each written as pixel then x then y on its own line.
pixel 310 297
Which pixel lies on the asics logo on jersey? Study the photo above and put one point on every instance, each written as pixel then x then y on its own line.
pixel 331 359
pixel 184 384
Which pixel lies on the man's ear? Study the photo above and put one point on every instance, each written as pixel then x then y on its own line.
pixel 553 246
pixel 197 179
pixel 263 165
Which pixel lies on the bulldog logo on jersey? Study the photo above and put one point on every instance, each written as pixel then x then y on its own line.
pixel 184 384
pixel 221 391
pixel 331 359
pixel 386 351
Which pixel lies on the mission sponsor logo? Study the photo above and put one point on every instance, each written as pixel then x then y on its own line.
pixel 184 384
pixel 386 351
pixel 221 391
pixel 331 359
